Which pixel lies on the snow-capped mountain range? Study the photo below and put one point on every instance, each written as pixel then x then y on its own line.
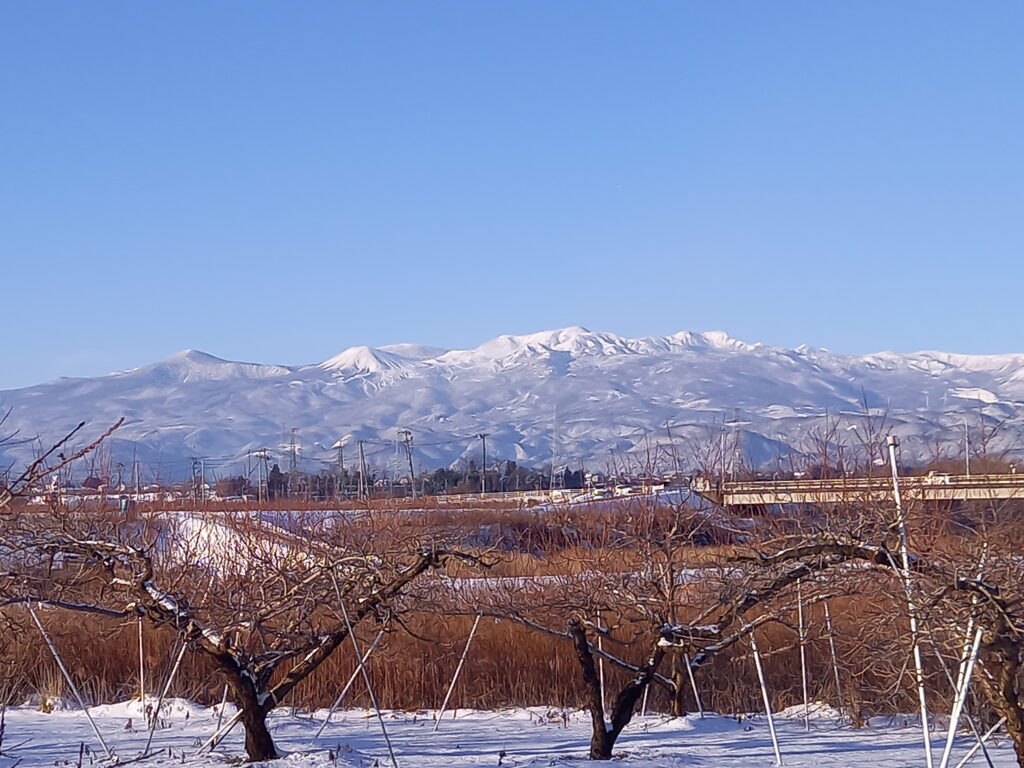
pixel 569 394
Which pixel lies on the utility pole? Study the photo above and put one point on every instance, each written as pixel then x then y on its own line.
pixel 137 472
pixel 342 474
pixel 483 462
pixel 198 480
pixel 363 492
pixel 967 448
pixel 672 447
pixel 554 445
pixel 407 436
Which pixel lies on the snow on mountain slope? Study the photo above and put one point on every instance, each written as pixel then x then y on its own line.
pixel 571 393
pixel 365 360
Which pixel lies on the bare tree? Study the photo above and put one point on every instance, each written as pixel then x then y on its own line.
pixel 266 605
pixel 648 591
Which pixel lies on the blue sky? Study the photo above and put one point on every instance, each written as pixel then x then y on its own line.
pixel 278 181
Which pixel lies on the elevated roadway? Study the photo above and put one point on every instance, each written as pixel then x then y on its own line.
pixel 932 487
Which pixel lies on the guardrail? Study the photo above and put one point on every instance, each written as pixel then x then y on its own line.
pixel 931 486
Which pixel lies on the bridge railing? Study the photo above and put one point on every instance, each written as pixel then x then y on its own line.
pixel 854 484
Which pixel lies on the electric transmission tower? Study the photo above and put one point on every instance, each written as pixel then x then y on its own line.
pixel 407 438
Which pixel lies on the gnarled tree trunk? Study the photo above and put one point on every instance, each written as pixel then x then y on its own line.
pixel 604 734
pixel 1001 660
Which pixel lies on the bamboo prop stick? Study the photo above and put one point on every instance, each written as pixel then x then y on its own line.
pixel 142 670
pixel 803 654
pixel 767 703
pixel 693 685
pixel 915 634
pixel 835 659
pixel 366 676
pixel 163 695
pixel 221 733
pixel 964 684
pixel 70 682
pixel 981 742
pixel 348 685
pixel 458 670
pixel 223 703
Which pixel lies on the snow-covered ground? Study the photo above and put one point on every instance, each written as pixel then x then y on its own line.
pixel 471 739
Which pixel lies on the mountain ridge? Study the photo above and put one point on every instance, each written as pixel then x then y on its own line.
pixel 569 392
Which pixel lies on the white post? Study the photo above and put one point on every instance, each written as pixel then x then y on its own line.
pixel 643 707
pixel 600 663
pixel 891 443
pixel 803 654
pixel 767 702
pixel 348 685
pixel 142 671
pixel 163 694
pixel 221 733
pixel 693 686
pixel 70 682
pixel 223 703
pixel 458 670
pixel 964 684
pixel 835 659
pixel 955 684
pixel 981 742
pixel 366 675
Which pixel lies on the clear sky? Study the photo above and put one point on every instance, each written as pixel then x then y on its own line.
pixel 278 181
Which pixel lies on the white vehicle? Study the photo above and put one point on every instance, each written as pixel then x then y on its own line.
pixel 937 478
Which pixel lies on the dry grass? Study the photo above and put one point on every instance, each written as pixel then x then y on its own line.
pixel 510 665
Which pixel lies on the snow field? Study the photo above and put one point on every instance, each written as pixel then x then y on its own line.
pixel 472 739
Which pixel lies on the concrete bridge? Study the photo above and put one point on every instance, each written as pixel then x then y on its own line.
pixel 844 490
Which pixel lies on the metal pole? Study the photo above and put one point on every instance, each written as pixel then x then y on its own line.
pixel 348 685
pixel 767 703
pixel 362 668
pixel 693 685
pixel 955 684
pixel 835 658
pixel 891 443
pixel 458 670
pixel 221 733
pixel 142 671
pixel 600 664
pixel 803 654
pixel 70 682
pixel 981 742
pixel 966 670
pixel 163 694
pixel 223 703
pixel 366 676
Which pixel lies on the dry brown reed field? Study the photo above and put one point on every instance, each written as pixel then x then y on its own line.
pixel 510 664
